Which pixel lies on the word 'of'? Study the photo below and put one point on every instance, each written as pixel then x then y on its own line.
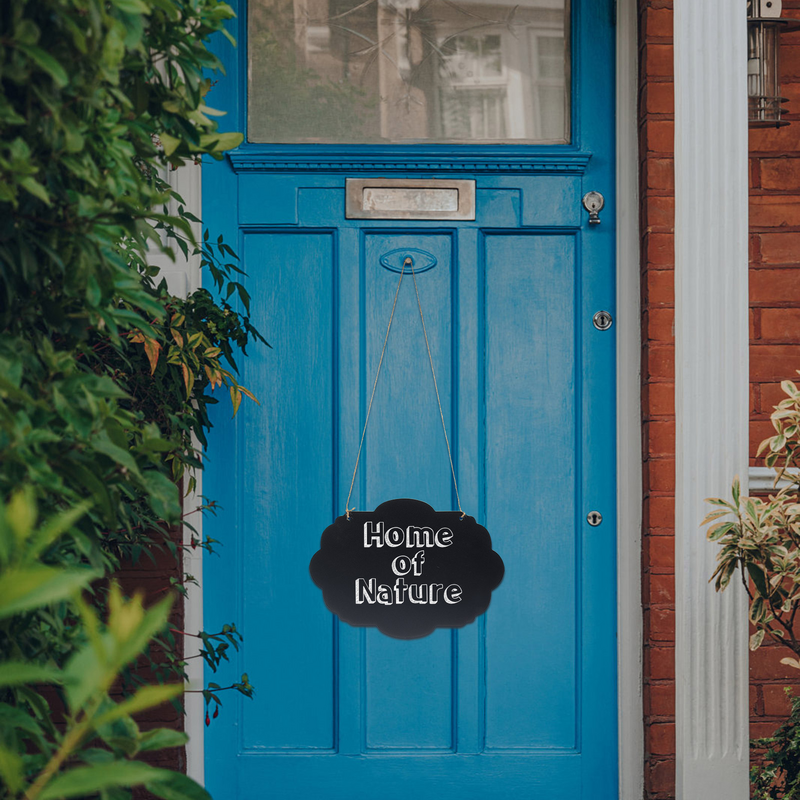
pixel 411 537
pixel 370 591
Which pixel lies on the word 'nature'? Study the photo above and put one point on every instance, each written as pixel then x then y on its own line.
pixel 368 590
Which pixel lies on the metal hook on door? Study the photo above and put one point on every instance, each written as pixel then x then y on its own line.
pixel 421 260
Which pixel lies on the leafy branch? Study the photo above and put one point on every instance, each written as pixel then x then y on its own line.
pixel 761 538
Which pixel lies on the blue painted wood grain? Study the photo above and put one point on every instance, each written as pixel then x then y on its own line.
pixel 522 703
pixel 530 485
pixel 285 459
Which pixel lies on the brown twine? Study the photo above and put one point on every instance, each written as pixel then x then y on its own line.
pixel 408 261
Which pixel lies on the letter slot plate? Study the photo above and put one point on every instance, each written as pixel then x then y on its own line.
pixel 398 198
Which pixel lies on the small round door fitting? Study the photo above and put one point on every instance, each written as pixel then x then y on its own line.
pixel 395 260
pixel 594 518
pixel 593 202
pixel 603 320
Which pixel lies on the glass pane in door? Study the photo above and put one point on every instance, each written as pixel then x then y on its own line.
pixel 363 71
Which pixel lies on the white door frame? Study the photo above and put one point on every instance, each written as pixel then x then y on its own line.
pixel 629 414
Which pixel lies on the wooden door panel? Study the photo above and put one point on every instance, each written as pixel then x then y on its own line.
pixel 283 454
pixel 531 430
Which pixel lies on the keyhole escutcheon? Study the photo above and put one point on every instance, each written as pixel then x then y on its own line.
pixel 594 518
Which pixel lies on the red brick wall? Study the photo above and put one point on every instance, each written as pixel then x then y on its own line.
pixel 775 319
pixel 152 577
pixel 658 406
pixel 775 354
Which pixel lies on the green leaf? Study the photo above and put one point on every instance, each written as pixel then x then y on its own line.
pixel 217 142
pixel 93 293
pixel 718 531
pixel 21 514
pixel 177 786
pixel 116 793
pixel 11 769
pixel 99 490
pixel 26 31
pixel 85 672
pixel 156 445
pixel 162 494
pixel 716 501
pixel 146 697
pixel 756 639
pixel 82 781
pixel 103 444
pixel 155 619
pixel 236 398
pixel 18 673
pixel 169 143
pixel 56 527
pixel 757 574
pixel 757 610
pixel 778 443
pixel 32 186
pixel 26 589
pixel 162 738
pixel 94 755
pixel 16 717
pixel 8 115
pixel 45 61
pixel 131 6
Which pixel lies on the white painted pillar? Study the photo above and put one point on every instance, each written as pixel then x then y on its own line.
pixel 183 277
pixel 187 182
pixel 711 389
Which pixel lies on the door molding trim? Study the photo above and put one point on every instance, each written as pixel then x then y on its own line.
pixel 629 415
pixel 435 158
pixel 711 391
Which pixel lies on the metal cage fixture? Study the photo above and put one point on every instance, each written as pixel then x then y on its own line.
pixel 764 28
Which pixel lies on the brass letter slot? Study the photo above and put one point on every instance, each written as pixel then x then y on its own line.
pixel 396 198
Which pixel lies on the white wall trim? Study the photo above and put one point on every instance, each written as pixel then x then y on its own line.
pixel 762 479
pixel 193 623
pixel 711 389
pixel 629 426
pixel 183 276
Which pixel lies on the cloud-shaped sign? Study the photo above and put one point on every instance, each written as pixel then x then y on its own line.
pixel 406 569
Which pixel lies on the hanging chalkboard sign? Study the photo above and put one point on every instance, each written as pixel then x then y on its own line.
pixel 406 569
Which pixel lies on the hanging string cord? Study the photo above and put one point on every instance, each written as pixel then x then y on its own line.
pixel 347 508
pixel 407 262
pixel 436 388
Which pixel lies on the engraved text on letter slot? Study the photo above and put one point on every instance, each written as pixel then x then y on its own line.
pixel 409 199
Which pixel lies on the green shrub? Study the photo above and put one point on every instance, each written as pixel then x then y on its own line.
pixel 761 538
pixel 776 776
pixel 90 752
pixel 105 378
pixel 760 541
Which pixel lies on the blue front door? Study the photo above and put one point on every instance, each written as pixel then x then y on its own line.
pixel 521 703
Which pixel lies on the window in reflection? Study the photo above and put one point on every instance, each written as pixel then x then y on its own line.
pixel 411 70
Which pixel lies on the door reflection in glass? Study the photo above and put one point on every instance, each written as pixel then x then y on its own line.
pixel 410 70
